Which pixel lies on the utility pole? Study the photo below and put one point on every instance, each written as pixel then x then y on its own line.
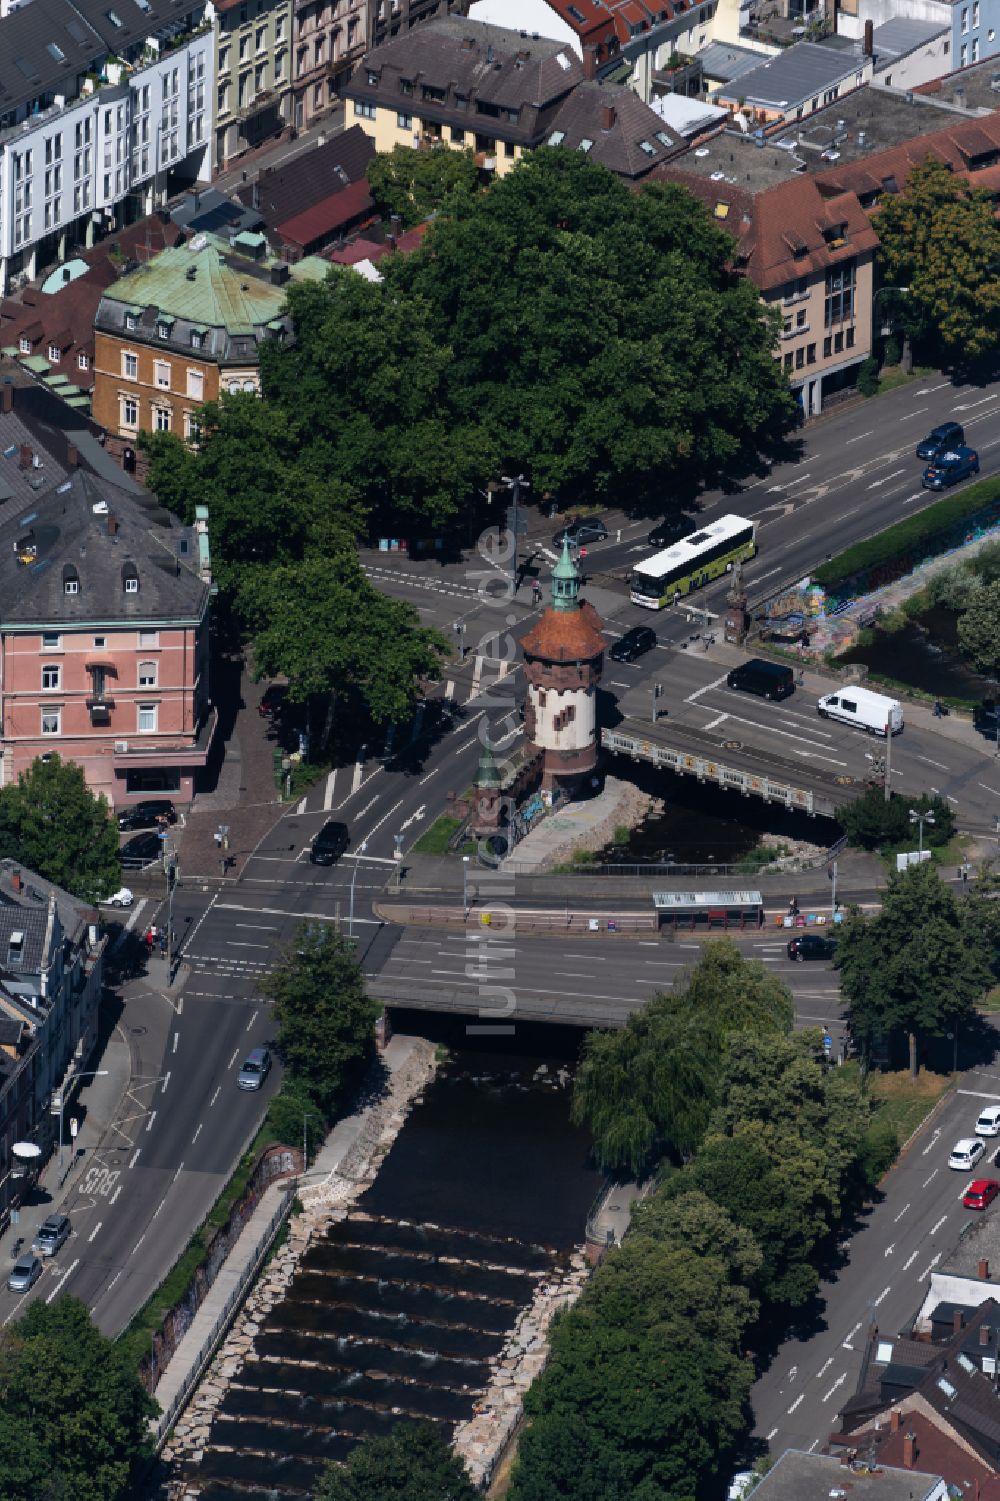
pixel 657 691
pixel 888 762
pixel 173 872
pixel 833 891
pixel 515 484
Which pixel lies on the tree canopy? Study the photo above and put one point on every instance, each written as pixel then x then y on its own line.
pixel 52 823
pixel 414 183
pixel 939 239
pixel 979 628
pixel 869 821
pixel 73 1415
pixel 413 1463
pixel 917 965
pixel 325 1018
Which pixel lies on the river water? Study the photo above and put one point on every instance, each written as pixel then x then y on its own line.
pixel 925 654
pixel 395 1314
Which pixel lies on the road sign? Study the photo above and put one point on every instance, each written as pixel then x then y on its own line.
pixel 827 1040
pixel 74 1126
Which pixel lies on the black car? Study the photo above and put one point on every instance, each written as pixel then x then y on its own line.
pixel 580 533
pixel 668 531
pixel 141 850
pixel 273 700
pixel 145 814
pixel 330 843
pixel 986 719
pixel 810 946
pixel 635 643
pixel 940 439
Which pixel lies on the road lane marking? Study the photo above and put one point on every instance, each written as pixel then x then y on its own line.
pixel 915 413
pixel 883 1294
pixel 163 1087
pixel 935 1228
pixel 62 1280
pixel 859 436
pixel 693 697
pixel 195 1136
pixel 889 1249
pixel 839 1382
pixel 978 1094
pixel 900 1214
pixel 930 1268
pixel 796 1403
pixel 149 1123
pixel 93 1232
pixel 331 782
pixel 114 1196
pixel 824 1368
pixel 910 1260
pixel 931 1178
pixel 384 819
pixel 884 481
pixel 931 1145
pixel 717 720
pixel 770 1436
pixel 177 1037
pixel 215 1096
pixel 135 1157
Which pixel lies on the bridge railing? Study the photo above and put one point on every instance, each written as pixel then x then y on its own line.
pixel 503 919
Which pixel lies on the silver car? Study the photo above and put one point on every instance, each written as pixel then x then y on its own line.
pixel 256 1067
pixel 52 1234
pixel 24 1273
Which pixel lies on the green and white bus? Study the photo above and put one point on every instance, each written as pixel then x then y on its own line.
pixel 693 561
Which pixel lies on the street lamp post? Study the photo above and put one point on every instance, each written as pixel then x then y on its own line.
pixel 398 856
pixel 465 885
pixel 921 819
pixel 93 1073
pixel 350 921
pixel 515 483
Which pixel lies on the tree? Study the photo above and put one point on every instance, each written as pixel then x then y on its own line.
pixel 328 630
pixel 870 822
pixel 560 289
pixel 868 381
pixel 916 965
pixel 53 824
pixel 738 994
pixel 413 1463
pixel 939 239
pixel 414 184
pixel 979 628
pixel 73 1416
pixel 325 1018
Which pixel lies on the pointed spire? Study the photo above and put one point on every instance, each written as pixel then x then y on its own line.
pixel 565 581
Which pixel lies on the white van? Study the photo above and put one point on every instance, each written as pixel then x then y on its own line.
pixel 860 706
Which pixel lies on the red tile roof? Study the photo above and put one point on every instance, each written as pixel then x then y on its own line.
pixel 377 250
pixel 959 145
pixel 566 635
pixel 939 1451
pixel 313 228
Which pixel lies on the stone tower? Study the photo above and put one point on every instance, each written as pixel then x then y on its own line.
pixel 563 658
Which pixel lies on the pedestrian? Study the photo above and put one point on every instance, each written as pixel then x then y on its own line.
pixel 149 940
pixel 163 943
pixel 793 907
pixel 938 710
pixel 536 592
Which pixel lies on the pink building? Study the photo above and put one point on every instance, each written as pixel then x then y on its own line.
pixel 104 604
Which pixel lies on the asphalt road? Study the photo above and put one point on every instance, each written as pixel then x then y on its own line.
pixel 883 1278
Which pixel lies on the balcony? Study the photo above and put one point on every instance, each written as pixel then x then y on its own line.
pixel 168 749
pixel 100 705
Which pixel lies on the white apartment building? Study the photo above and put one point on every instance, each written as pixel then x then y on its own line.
pixel 102 103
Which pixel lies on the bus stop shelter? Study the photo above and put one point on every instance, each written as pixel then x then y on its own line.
pixel 708 909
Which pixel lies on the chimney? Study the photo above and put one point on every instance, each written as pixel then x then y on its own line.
pixel 25 456
pixel 15 879
pixel 958 1320
pixel 869 38
pixel 67 275
pixel 909 1450
pixel 984 1334
pixel 984 1271
pixel 6 398
pixel 895 1420
pixel 112 524
pixel 607 117
pixel 72 457
pixel 590 62
pixel 467 44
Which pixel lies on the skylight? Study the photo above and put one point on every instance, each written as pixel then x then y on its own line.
pixel 663 138
pixel 115 19
pixel 563 61
pixel 143 4
pixel 648 147
pixel 586 144
pixel 557 137
pixel 55 52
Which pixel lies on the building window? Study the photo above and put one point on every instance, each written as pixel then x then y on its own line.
pixel 55 354
pixel 131 582
pixel 51 674
pixel 130 321
pixel 850 338
pixel 130 412
pixel 839 306
pixel 800 318
pixel 975 13
pixel 161 419
pixel 196 385
pixel 51 641
pixel 800 358
pixel 827 348
pixel 100 642
pixel 51 721
pixel 964 62
pixel 24 344
pixel 71 580
pixel 838 343
pixel 147 719
pixel 192 431
pixel 82 361
pixel 458 135
pixel 149 639
pixel 508 149
pixel 130 366
pixel 405 122
pixel 147 674
pixel 975 49
pixel 811 354
pixel 788 362
pixel 161 374
pixel 363 110
pixel 965 18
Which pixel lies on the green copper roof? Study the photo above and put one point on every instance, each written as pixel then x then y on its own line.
pixel 565 582
pixel 488 775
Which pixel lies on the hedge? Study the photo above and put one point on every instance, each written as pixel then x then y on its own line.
pixel 908 535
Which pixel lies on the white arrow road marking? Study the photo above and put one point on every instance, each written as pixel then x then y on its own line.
pixel 889 1249
pixel 839 1382
pixel 876 482
pixel 414 817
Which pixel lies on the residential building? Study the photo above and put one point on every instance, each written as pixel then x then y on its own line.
pixel 182 330
pixel 253 74
pixel 632 41
pixel 453 83
pixel 102 112
pixel 798 1476
pixel 317 197
pixel 104 650
pixel 51 968
pixel 973 26
pixel 796 83
pixel 909 53
pixel 330 40
pixel 809 253
pixel 389 18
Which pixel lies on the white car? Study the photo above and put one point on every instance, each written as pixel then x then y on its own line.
pixel 966 1153
pixel 122 898
pixel 988 1123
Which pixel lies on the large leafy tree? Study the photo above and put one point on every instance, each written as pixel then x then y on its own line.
pixel 870 821
pixel 979 628
pixel 939 238
pixel 413 1463
pixel 414 184
pixel 917 965
pixel 738 994
pixel 325 1017
pixel 52 823
pixel 73 1415
pixel 568 301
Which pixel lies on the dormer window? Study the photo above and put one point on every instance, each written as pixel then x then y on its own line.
pixel 163 327
pixel 372 77
pixel 131 322
pixel 130 578
pixel 71 580
pixel 24 344
pixel 15 948
pixel 197 338
pixel 55 354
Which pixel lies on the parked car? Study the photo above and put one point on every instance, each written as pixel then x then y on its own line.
pixel 966 1153
pixel 123 897
pixel 330 843
pixel 981 1193
pixel 861 707
pixel 580 533
pixel 52 1234
pixel 272 700
pixel 988 1123
pixel 950 467
pixel 24 1273
pixel 255 1069
pixel 141 850
pixel 811 946
pixel 147 813
pixel 635 643
pixel 773 680
pixel 946 435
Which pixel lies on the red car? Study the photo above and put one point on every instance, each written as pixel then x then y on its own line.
pixel 274 697
pixel 981 1193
